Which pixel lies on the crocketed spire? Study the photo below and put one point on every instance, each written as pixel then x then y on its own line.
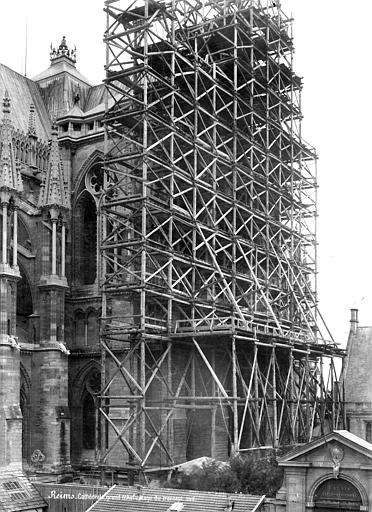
pixel 53 191
pixel 10 173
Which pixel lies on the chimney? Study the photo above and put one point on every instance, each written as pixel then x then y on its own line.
pixel 354 321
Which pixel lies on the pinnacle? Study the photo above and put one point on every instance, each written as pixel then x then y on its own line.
pixel 10 174
pixel 63 51
pixel 53 192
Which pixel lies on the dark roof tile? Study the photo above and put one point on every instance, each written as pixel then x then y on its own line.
pixel 23 92
pixel 17 493
pixel 148 499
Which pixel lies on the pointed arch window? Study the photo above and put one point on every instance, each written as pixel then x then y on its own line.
pixel 85 222
pixel 80 329
pixel 91 425
pixel 89 422
pixel 24 327
pixel 86 239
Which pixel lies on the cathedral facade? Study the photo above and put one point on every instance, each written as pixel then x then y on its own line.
pixel 51 155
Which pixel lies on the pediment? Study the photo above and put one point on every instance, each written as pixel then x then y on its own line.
pixel 339 445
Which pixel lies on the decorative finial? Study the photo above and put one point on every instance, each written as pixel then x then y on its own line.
pixel 32 121
pixel 63 44
pixel 6 103
pixel 63 51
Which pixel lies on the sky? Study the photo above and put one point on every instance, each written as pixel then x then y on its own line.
pixel 333 55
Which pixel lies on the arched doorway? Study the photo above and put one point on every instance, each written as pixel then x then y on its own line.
pixel 336 494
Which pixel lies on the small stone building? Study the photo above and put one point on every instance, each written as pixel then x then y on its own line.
pixel 358 378
pixel 331 473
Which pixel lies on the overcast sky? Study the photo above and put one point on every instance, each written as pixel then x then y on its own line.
pixel 333 55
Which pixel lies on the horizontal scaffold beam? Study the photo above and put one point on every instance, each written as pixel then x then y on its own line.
pixel 212 342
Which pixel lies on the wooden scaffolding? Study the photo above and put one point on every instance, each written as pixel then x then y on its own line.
pixel 207 237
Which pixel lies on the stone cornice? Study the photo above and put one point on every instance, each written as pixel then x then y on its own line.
pixel 9 272
pixel 49 282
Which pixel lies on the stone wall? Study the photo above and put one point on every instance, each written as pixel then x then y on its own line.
pixel 341 460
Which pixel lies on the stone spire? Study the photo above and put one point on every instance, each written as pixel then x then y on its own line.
pixel 10 174
pixel 32 121
pixel 53 191
pixel 62 51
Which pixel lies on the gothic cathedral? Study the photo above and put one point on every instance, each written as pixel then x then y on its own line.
pixel 51 149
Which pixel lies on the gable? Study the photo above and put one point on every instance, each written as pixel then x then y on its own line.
pixel 323 455
pixel 342 445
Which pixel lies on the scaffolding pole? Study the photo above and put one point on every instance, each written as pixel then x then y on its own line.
pixel 208 238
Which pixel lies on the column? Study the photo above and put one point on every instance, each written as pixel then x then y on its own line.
pixel 295 478
pixel 5 233
pixel 10 412
pixel 63 250
pixel 54 247
pixel 15 237
pixel 369 490
pixel 50 392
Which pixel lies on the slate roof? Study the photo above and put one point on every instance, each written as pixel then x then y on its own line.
pixel 59 68
pixel 357 366
pixel 23 92
pixel 17 493
pixel 96 96
pixel 149 499
pixel 75 112
pixel 43 95
pixel 348 436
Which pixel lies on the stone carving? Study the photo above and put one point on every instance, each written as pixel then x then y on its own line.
pixel 37 457
pixel 337 454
